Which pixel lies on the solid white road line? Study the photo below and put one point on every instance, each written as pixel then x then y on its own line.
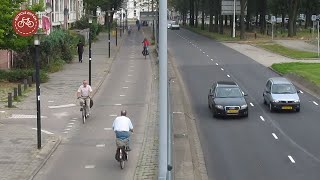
pixel 62 106
pixel 274 135
pixel 228 75
pixel 315 103
pixel 44 131
pixel 291 159
pixel 251 104
pixel 261 118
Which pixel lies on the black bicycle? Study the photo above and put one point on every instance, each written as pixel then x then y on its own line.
pixel 122 151
pixel 145 52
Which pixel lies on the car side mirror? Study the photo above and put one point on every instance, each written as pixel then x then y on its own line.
pixel 299 91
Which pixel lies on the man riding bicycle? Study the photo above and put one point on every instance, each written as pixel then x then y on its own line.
pixel 83 95
pixel 122 127
pixel 146 44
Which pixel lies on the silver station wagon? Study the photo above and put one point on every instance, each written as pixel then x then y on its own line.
pixel 280 94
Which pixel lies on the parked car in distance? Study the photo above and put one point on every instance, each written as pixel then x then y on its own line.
pixel 225 98
pixel 169 24
pixel 175 25
pixel 280 94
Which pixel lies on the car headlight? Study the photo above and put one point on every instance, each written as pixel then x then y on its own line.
pixel 219 106
pixel 275 101
pixel 244 106
pixel 296 101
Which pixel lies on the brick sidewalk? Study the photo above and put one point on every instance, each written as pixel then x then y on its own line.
pixel 19 157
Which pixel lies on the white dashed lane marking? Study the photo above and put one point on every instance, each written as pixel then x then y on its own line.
pixel 262 118
pixel 291 159
pixel 69 126
pixel 251 104
pixel 44 131
pixel 71 123
pixel 274 135
pixel 62 106
pixel 67 129
pixel 122 95
pixel 222 69
pixel 113 115
pixel 217 64
pixel 100 145
pixel 89 166
pixel 117 104
pixel 228 75
pixel 315 103
pixel 125 87
pixel 108 129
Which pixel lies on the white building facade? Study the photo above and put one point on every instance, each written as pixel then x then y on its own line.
pixel 134 7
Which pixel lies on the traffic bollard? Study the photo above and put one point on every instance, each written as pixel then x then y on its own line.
pixel 30 81
pixel 9 100
pixel 15 93
pixel 19 90
pixel 25 85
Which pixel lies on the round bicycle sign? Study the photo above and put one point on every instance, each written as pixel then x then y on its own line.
pixel 25 23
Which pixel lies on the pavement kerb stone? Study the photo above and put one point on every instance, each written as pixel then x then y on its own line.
pixel 49 147
pixel 200 171
pixel 107 71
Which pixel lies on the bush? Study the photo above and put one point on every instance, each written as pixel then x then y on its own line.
pixel 17 75
pixel 56 66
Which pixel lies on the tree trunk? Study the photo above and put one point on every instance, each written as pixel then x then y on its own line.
pixel 263 12
pixel 211 22
pixel 197 12
pixel 225 21
pixel 257 15
pixel 293 9
pixel 248 22
pixel 221 24
pixel 202 19
pixel 242 25
pixel 216 22
pixel 283 16
pixel 191 22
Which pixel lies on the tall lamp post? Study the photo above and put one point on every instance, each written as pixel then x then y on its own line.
pixel 90 22
pixel 37 55
pixel 127 19
pixel 109 18
pixel 120 23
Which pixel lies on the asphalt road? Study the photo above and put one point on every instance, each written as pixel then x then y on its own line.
pixel 88 152
pixel 263 146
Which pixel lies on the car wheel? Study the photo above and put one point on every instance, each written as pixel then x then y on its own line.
pixel 298 110
pixel 270 107
pixel 264 101
pixel 209 105
pixel 214 114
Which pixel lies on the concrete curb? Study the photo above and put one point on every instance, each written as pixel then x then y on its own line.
pixel 200 171
pixel 47 157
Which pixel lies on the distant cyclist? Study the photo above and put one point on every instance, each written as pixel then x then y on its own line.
pixel 146 45
pixel 83 95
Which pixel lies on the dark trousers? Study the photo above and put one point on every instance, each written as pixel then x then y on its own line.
pixel 80 56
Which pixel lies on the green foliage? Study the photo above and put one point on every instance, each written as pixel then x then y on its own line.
pixel 292 53
pixel 83 23
pixel 310 71
pixel 37 7
pixel 56 66
pixel 8 10
pixel 17 75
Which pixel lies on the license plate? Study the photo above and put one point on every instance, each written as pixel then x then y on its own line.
pixel 232 111
pixel 286 107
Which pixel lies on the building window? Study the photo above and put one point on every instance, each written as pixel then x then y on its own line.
pixel 135 3
pixel 134 13
pixel 142 9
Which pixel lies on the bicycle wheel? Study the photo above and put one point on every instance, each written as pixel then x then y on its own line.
pixel 84 115
pixel 121 164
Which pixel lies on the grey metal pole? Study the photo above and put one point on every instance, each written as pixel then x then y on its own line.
pixel 109 33
pixel 163 84
pixel 318 39
pixel 37 49
pixel 169 132
pixel 90 55
pixel 234 19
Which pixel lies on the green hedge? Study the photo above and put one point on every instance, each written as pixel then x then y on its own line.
pixel 17 75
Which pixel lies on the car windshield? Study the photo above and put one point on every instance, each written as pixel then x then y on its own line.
pixel 283 89
pixel 228 92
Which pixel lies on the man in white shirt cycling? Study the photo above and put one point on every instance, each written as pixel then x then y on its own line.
pixel 122 126
pixel 83 95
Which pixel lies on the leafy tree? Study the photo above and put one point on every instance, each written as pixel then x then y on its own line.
pixel 293 11
pixel 8 38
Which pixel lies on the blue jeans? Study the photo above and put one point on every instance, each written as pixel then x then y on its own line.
pixel 123 135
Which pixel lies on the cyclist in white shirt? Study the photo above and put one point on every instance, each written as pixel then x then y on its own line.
pixel 83 95
pixel 122 126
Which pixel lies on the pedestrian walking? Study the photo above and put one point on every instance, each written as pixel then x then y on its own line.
pixel 80 50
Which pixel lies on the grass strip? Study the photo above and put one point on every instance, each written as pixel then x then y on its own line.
pixel 291 53
pixel 310 71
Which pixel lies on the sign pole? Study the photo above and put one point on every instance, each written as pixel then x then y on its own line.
pixel 318 37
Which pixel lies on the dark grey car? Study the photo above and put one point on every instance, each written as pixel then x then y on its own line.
pixel 225 98
pixel 280 94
